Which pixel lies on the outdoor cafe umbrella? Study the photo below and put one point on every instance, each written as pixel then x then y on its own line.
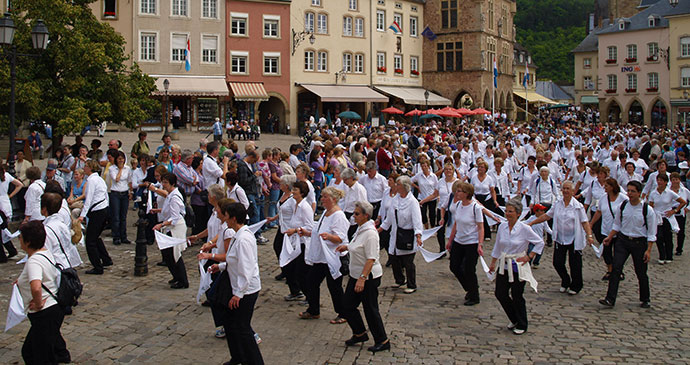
pixel 414 113
pixel 480 111
pixel 463 111
pixel 429 116
pixel 349 115
pixel 392 110
pixel 448 112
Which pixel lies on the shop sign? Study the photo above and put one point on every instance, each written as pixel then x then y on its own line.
pixel 630 69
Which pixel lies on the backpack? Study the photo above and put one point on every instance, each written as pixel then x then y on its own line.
pixel 70 286
pixel 188 212
pixel 644 211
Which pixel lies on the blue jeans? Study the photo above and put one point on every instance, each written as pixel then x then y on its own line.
pixel 537 258
pixel 254 209
pixel 119 202
pixel 273 206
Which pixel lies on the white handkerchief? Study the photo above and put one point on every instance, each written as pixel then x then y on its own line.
pixel 430 256
pixel 7 235
pixel 149 203
pixel 204 282
pixel 428 233
pixel 257 226
pixel 485 267
pixel 165 241
pixel 291 249
pixel 15 313
pixel 23 259
pixel 598 250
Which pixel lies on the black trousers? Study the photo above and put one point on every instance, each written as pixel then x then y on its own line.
pixel 441 233
pixel 95 248
pixel 625 246
pixel 11 251
pixel 177 269
pixel 315 277
pixel 574 280
pixel 296 274
pixel 488 204
pixel 429 213
pixel 370 304
pixel 239 334
pixel 385 239
pixel 406 263
pixel 377 207
pixel 680 238
pixel 664 240
pixel 200 219
pixel 44 343
pixel 513 303
pixel 463 264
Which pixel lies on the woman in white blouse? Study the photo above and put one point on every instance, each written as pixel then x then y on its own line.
pixel 292 254
pixel 388 197
pixel 404 219
pixel 663 201
pixel 284 209
pixel 510 253
pixel 603 220
pixel 465 242
pixel 364 281
pixel 485 192
pixel 32 212
pixel 329 232
pixel 426 182
pixel 684 193
pixel 120 175
pixel 5 196
pixel 501 176
pixel 629 175
pixel 444 193
pixel 173 212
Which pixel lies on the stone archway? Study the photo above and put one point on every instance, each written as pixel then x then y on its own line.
pixel 635 113
pixel 486 101
pixel 501 105
pixel 276 107
pixel 613 111
pixel 659 114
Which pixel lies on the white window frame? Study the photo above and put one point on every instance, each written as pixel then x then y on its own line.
pixel 685 79
pixel 381 61
pixel 612 51
pixel 632 81
pixel 612 82
pixel 631 50
pixel 155 7
pixel 322 66
pixel 271 19
pixel 653 80
pixel 685 46
pixel 358 27
pixel 309 21
pixel 239 54
pixel 315 2
pixel 397 17
pixel 414 21
pixel 358 67
pixel 586 62
pixel 321 23
pixel 398 64
pixel 352 5
pixel 156 50
pixel 239 17
pixel 172 36
pixel 209 35
pixel 272 55
pixel 172 9
pixel 210 2
pixel 414 65
pixel 347 62
pixel 653 50
pixel 380 20
pixel 347 26
pixel 587 83
pixel 309 66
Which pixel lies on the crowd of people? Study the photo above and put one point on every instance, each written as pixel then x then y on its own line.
pixel 346 193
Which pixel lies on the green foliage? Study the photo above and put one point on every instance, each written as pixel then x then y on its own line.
pixel 81 77
pixel 550 29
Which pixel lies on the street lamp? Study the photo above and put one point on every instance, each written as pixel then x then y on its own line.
pixel 426 100
pixel 39 39
pixel 340 75
pixel 166 85
pixel 297 38
pixel 673 3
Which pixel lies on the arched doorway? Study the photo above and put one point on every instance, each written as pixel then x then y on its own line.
pixel 614 112
pixel 501 105
pixel 487 100
pixel 636 113
pixel 659 115
pixel 463 100
pixel 272 115
pixel 509 104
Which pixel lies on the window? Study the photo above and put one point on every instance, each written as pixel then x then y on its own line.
pixel 347 62
pixel 308 60
pixel 685 47
pixel 238 62
pixel 209 49
pixel 397 64
pixel 381 62
pixel 632 82
pixel 147 47
pixel 110 9
pixel 271 63
pixel 381 20
pixel 491 52
pixel 397 17
pixel 413 8
pixel 347 26
pixel 652 51
pixel 209 9
pixel 491 14
pixel 359 27
pixel 586 63
pixel 613 82
pixel 271 27
pixel 179 7
pixel 685 77
pixel 587 83
pixel 398 5
pixel 413 26
pixel 178 46
pixel 653 80
pixel 632 53
pixel 316 2
pixel 322 61
pixel 503 23
pixel 238 24
pixel 414 65
pixel 613 53
pixel 381 2
pixel 147 7
pixel 359 63
pixel 449 13
pixel 352 5
pixel 322 24
pixel 309 21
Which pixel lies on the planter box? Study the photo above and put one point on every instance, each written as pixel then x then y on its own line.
pixel 630 90
pixel 609 62
pixel 652 89
pixel 610 91
pixel 630 60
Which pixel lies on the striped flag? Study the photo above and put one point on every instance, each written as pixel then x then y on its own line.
pixel 525 80
pixel 495 73
pixel 188 56
pixel 395 27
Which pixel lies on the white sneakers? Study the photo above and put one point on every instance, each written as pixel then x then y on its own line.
pixel 563 289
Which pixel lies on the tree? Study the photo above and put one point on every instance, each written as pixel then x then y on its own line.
pixel 82 76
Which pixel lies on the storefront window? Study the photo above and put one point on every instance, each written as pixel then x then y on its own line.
pixel 208 110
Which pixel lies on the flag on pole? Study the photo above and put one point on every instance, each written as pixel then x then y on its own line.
pixel 495 73
pixel 395 27
pixel 188 56
pixel 525 80
pixel 429 34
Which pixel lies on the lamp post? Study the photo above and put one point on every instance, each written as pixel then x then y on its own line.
pixel 39 39
pixel 297 38
pixel 340 75
pixel 426 100
pixel 166 85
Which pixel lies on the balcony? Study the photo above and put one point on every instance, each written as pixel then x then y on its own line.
pixel 610 62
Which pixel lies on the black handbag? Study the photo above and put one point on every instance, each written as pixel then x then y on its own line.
pixel 220 292
pixel 404 238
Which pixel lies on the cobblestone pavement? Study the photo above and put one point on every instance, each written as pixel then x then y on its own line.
pixel 127 319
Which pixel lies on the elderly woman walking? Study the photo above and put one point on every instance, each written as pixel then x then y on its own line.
pixel 404 219
pixel 364 281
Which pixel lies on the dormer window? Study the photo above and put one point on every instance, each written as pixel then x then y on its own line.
pixel 653 21
pixel 521 58
pixel 529 59
pixel 621 25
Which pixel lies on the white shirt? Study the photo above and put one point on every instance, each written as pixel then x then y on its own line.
pixel 409 217
pixel 123 184
pixel 684 193
pixel 59 242
pixel 632 224
pixel 96 194
pixel 353 194
pixel 544 191
pixel 242 263
pixel 663 202
pixel 364 246
pixel 318 250
pixel 33 200
pixel 173 210
pixel 137 177
pixel 211 172
pixel 445 190
pixel 426 184
pixel 651 182
pixel 594 193
pixel 625 178
pixel 215 226
pixel 482 187
pixel 375 188
pixel 640 165
pixel 285 211
pixel 516 241
pixel 386 204
pixel 527 176
pixel 237 194
pixel 608 211
pixel 294 161
pixel 569 218
pixel 466 218
pixel 38 267
pixel 311 197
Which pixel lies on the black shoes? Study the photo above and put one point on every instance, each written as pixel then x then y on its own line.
pixel 117 242
pixel 606 277
pixel 645 305
pixel 679 253
pixel 126 241
pixel 380 347
pixel 357 339
pixel 178 285
pixel 280 276
pixel 94 272
pixel 606 303
pixel 106 264
pixel 162 263
pixel 171 281
pixel 471 302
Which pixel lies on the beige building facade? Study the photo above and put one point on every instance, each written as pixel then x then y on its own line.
pixel 586 82
pixel 679 65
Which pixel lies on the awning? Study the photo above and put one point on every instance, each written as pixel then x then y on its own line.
pixel 248 91
pixel 192 86
pixel 413 95
pixel 589 99
pixel 533 97
pixel 345 93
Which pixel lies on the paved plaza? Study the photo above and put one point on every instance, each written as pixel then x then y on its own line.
pixel 126 319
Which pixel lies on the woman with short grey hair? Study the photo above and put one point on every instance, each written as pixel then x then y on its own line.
pixel 285 208
pixel 404 218
pixel 354 192
pixel 365 207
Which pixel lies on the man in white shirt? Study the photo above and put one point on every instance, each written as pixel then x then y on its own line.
pixel 96 208
pixel 375 185
pixel 211 172
pixel 58 237
pixel 294 151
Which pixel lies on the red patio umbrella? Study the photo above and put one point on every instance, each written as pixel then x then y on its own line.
pixel 392 110
pixel 448 112
pixel 480 111
pixel 463 111
pixel 414 113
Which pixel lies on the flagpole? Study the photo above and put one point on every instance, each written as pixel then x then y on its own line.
pixel 493 98
pixel 526 105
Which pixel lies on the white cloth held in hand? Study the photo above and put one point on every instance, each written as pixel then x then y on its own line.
pixel 204 282
pixel 430 256
pixel 291 249
pixel 598 250
pixel 491 276
pixel 428 233
pixel 257 226
pixel 164 241
pixel 7 235
pixel 15 313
